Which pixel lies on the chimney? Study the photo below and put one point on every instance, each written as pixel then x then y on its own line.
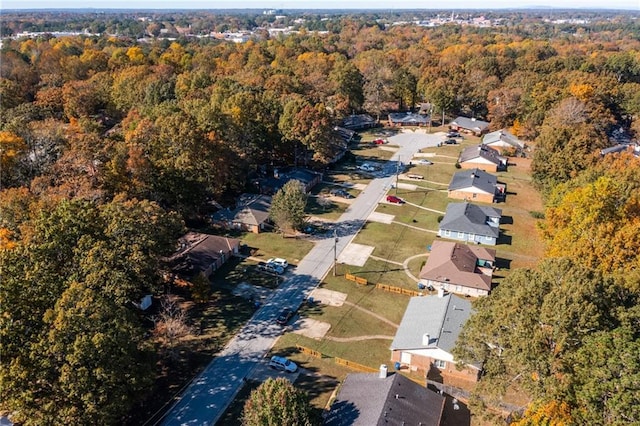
pixel 383 371
pixel 426 339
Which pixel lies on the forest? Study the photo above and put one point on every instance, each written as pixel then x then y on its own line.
pixel 111 147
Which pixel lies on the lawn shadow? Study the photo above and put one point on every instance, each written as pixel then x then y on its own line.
pixel 502 263
pixel 506 220
pixel 504 239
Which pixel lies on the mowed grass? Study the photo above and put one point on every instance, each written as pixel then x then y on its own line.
pixel 394 242
pixel 270 244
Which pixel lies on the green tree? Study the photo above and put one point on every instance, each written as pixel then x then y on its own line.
pixel 287 207
pixel 277 402
pixel 405 88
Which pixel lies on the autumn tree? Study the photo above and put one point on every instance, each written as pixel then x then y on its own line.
pixel 287 207
pixel 277 402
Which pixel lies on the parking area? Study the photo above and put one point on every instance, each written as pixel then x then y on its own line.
pixel 355 254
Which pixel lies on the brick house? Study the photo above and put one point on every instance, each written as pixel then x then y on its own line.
pixel 482 157
pixel 476 185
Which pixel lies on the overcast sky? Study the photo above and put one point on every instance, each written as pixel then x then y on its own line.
pixel 317 4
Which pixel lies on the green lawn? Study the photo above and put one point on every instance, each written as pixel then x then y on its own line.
pixel 270 244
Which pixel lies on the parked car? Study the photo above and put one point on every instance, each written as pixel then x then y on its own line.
pixel 340 193
pixel 273 269
pixel 282 363
pixel 367 167
pixel 278 261
pixel 453 134
pixel 450 142
pixel 284 316
pixel 424 162
pixel 379 142
pixel 395 200
pixel 414 176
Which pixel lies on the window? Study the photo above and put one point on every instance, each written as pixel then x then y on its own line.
pixel 475 195
pixel 440 364
pixel 447 233
pixel 460 234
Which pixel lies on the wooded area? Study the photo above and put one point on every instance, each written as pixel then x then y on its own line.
pixel 109 146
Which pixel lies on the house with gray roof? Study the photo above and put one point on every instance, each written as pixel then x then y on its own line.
pixel 459 268
pixel 501 140
pixel 428 333
pixel 476 185
pixel 470 125
pixel 359 122
pixel 367 399
pixel 482 157
pixel 471 223
pixel 408 119
pixel 201 254
pixel 251 214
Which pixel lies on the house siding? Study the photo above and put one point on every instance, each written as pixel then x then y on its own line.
pixel 426 364
pixel 485 166
pixel 466 237
pixel 467 194
pixel 457 288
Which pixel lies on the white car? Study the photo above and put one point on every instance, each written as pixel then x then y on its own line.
pixel 424 162
pixel 367 167
pixel 282 363
pixel 278 261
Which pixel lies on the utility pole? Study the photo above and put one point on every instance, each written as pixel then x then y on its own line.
pixel 397 173
pixel 335 252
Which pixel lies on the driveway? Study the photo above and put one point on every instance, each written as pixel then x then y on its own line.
pixel 209 394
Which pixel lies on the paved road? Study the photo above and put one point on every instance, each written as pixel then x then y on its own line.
pixel 208 396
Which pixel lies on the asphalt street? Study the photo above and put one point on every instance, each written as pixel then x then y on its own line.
pixel 208 396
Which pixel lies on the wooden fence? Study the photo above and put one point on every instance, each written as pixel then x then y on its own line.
pixel 358 280
pixel 309 351
pixel 355 365
pixel 398 290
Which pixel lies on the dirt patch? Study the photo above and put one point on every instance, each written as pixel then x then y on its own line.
pixel 310 328
pixel 328 297
pixel 381 217
pixel 355 254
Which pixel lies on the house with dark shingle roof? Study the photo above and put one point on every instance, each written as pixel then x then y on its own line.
pixel 482 157
pixel 251 214
pixel 408 119
pixel 367 399
pixel 471 223
pixel 459 268
pixel 470 125
pixel 476 185
pixel 428 333
pixel 359 122
pixel 201 254
pixel 271 185
pixel 502 139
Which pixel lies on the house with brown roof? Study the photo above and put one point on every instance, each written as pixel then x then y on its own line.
pixel 459 268
pixel 482 157
pixel 201 254
pixel 251 214
pixel 476 185
pixel 367 399
pixel 469 125
pixel 427 335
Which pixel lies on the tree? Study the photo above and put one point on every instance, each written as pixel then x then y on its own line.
pixel 277 402
pixel 405 88
pixel 287 207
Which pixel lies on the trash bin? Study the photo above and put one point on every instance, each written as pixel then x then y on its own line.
pixel 396 366
pixel 421 286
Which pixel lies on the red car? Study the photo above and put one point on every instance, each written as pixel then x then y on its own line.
pixel 379 142
pixel 395 200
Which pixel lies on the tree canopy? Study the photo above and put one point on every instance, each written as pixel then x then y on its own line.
pixel 277 402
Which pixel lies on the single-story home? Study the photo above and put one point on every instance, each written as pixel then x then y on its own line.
pixel 469 125
pixel 476 185
pixel 428 333
pixel 251 214
pixel 359 122
pixel 482 157
pixel 501 140
pixel 408 119
pixel 471 223
pixel 201 254
pixel 271 185
pixel 459 268
pixel 367 399
pixel 345 134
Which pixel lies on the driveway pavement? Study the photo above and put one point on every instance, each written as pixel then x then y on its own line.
pixel 208 396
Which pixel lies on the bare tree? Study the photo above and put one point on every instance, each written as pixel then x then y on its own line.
pixel 171 325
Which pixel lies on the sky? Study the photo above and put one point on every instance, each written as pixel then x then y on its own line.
pixel 318 4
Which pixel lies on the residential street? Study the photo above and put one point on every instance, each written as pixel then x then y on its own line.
pixel 206 399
